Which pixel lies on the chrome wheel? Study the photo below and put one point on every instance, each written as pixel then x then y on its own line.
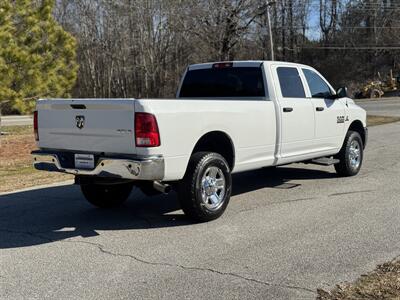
pixel 213 188
pixel 355 154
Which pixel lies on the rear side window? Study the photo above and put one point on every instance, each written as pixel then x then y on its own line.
pixel 290 82
pixel 223 82
pixel 318 87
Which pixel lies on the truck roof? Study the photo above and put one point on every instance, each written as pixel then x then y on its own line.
pixel 242 63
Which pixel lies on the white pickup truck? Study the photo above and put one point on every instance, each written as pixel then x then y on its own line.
pixel 228 117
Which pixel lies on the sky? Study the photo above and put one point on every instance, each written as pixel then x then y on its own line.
pixel 313 21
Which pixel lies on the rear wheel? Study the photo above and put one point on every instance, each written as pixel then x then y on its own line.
pixel 375 94
pixel 351 155
pixel 106 195
pixel 205 190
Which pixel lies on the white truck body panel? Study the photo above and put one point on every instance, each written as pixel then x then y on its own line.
pixel 183 122
pixel 261 133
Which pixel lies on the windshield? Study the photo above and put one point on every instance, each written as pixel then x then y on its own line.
pixel 223 82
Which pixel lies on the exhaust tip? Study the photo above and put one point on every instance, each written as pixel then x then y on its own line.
pixel 162 187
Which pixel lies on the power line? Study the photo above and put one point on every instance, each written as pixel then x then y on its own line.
pixel 338 27
pixel 360 8
pixel 353 48
pixel 349 6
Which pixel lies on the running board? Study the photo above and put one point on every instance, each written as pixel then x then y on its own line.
pixel 324 161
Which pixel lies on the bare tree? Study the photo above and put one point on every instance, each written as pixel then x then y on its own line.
pixel 136 48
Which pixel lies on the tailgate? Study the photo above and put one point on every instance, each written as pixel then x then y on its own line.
pixel 90 125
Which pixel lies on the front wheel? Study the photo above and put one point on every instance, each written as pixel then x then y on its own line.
pixel 106 195
pixel 205 190
pixel 351 155
pixel 375 94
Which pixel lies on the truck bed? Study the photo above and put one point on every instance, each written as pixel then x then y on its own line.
pixel 109 128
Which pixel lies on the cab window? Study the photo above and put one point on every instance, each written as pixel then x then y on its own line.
pixel 290 82
pixel 318 86
pixel 223 82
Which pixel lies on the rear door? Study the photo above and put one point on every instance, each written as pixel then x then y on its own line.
pixel 329 113
pixel 296 111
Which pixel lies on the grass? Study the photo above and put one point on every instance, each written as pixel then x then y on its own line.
pixel 16 170
pixel 380 120
pixel 382 283
pixel 17 130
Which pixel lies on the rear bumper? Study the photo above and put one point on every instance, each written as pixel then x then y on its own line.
pixel 135 168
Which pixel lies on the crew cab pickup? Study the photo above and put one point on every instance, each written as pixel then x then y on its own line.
pixel 228 117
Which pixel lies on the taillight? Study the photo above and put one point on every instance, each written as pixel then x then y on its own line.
pixel 146 130
pixel 222 65
pixel 35 125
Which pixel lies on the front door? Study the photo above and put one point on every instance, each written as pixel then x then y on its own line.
pixel 329 113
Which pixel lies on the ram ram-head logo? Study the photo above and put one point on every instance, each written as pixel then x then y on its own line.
pixel 80 121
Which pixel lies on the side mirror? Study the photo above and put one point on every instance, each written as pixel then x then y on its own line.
pixel 341 93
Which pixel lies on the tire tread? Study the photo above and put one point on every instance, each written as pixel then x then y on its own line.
pixel 187 188
pixel 343 168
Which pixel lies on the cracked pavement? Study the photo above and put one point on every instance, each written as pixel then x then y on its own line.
pixel 285 233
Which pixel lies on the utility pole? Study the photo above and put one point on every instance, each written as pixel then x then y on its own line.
pixel 271 39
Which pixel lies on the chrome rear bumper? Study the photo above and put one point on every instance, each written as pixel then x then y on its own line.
pixel 137 168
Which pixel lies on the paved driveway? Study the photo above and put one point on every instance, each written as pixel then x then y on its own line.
pixel 16 120
pixel 286 233
pixel 383 107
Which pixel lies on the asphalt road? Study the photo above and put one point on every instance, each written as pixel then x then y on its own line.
pixel 285 233
pixel 382 107
pixel 16 120
pixel 385 106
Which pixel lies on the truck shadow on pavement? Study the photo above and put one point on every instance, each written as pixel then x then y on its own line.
pixel 57 213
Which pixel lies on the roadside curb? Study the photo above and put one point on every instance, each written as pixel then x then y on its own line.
pixel 38 187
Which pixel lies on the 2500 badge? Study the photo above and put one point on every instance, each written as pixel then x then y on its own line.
pixel 341 119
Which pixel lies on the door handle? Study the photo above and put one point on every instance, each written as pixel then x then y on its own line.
pixel 287 109
pixel 319 109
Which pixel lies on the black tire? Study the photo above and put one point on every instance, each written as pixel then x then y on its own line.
pixel 375 94
pixel 358 95
pixel 106 195
pixel 347 166
pixel 196 199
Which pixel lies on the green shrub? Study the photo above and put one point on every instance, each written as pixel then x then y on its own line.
pixel 37 57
